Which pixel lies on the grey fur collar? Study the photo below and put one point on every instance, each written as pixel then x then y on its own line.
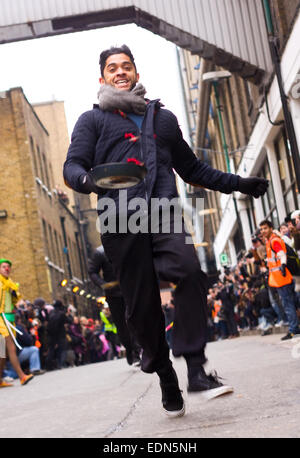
pixel 111 99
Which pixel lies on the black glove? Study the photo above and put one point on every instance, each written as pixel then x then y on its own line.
pixel 87 184
pixel 283 271
pixel 254 186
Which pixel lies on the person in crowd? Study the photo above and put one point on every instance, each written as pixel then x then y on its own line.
pixel 29 352
pixel 227 298
pixel 99 346
pixel 70 358
pixel 57 335
pixel 263 307
pixel 79 343
pixel 110 331
pixel 294 233
pixel 285 234
pixel 9 297
pixel 280 276
pixel 220 319
pixel 131 127
pixel 102 275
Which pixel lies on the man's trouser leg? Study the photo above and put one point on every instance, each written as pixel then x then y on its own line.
pixel 177 261
pixel 287 295
pixel 277 308
pixel 131 256
pixel 135 258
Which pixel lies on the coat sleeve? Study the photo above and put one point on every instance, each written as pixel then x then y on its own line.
pixel 192 170
pixel 81 152
pixel 95 265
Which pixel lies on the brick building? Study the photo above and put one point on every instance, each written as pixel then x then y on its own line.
pixel 40 232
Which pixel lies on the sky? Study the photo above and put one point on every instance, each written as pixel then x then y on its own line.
pixel 66 68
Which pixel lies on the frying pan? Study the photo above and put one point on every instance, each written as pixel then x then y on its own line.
pixel 118 175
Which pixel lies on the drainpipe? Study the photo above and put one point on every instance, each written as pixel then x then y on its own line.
pixel 289 126
pixel 62 222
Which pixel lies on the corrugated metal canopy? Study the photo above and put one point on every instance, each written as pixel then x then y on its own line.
pixel 231 33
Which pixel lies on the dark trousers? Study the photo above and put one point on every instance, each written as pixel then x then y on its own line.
pixel 231 323
pixel 139 260
pixel 118 309
pixel 56 353
pixel 113 340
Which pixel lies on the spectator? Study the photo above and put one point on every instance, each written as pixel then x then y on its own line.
pixel 79 344
pixel 57 336
pixel 9 297
pixel 228 302
pixel 110 331
pixel 102 275
pixel 263 308
pixel 279 275
pixel 99 346
pixel 285 234
pixel 29 353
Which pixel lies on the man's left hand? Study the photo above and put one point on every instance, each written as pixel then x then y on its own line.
pixel 253 186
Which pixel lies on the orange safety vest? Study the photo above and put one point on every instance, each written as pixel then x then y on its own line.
pixel 217 306
pixel 276 279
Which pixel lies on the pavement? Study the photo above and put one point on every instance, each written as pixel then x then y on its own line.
pixel 112 400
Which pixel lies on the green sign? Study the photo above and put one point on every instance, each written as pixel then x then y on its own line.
pixel 223 259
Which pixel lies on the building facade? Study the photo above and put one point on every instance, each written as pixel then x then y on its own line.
pixel 40 232
pixel 239 125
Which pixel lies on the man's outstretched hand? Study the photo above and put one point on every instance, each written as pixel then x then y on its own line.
pixel 253 186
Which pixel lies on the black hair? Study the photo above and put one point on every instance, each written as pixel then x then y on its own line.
pixel 114 50
pixel 58 304
pixel 266 222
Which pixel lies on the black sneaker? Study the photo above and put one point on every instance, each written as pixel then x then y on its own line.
pixel 172 400
pixel 209 385
pixel 267 332
pixel 289 335
pixel 129 357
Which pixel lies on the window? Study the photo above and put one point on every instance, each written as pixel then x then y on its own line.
pixel 34 157
pixel 42 176
pixel 46 241
pixel 58 250
pixel 286 172
pixel 45 165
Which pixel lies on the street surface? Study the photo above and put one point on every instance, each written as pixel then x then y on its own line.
pixel 113 400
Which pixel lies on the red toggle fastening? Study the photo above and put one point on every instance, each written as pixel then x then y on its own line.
pixel 132 137
pixel 133 159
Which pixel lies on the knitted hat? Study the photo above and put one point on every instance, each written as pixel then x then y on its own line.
pixel 39 302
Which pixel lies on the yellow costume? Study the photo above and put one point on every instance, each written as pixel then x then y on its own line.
pixel 8 295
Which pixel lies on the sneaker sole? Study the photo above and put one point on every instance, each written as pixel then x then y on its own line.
pixel 175 413
pixel 27 381
pixel 214 393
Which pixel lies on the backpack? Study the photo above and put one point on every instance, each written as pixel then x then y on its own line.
pixel 293 261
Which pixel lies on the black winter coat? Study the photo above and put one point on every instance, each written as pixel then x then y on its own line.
pixel 99 263
pixel 101 137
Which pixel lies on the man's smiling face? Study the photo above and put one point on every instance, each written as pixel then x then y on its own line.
pixel 120 72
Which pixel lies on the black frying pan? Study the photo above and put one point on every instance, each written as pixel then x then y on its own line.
pixel 118 175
